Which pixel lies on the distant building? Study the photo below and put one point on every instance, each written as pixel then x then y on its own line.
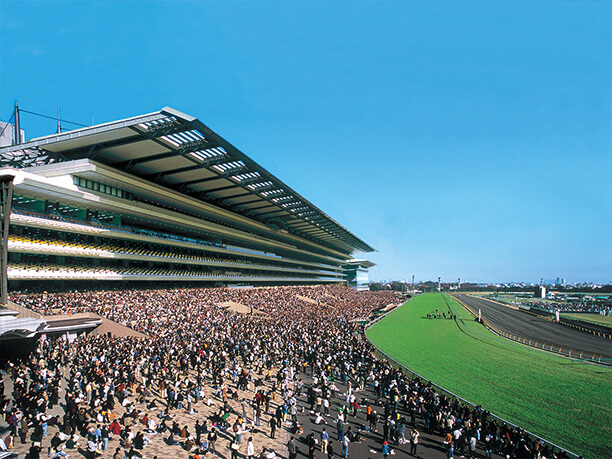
pixel 540 291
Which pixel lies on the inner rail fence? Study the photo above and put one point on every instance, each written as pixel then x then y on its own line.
pixel 413 374
pixel 597 330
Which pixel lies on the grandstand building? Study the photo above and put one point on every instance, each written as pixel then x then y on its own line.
pixel 158 198
pixel 357 274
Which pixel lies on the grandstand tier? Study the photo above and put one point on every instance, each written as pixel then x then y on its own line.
pixel 160 197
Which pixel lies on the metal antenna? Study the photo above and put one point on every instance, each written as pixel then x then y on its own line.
pixel 17 136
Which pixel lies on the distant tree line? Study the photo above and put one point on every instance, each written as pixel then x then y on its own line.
pixel 395 286
pixel 432 286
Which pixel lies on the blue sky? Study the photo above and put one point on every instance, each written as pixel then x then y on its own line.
pixel 463 139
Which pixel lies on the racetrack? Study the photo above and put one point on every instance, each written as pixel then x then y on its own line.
pixel 530 327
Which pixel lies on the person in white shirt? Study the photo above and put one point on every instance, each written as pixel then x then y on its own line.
pixel 250 451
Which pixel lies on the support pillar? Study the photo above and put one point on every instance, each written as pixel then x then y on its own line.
pixel 6 199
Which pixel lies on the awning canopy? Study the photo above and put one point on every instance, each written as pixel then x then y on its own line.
pixel 179 152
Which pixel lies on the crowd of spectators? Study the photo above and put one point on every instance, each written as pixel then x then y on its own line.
pixel 139 306
pixel 259 371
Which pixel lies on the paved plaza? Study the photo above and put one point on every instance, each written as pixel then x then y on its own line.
pixel 369 446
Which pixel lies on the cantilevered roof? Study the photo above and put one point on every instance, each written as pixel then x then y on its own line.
pixel 360 263
pixel 179 152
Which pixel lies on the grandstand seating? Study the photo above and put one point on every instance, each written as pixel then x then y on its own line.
pixel 87 249
pixel 55 271
pixel 77 246
pixel 108 213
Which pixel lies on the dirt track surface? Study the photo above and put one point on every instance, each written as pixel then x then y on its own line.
pixel 528 326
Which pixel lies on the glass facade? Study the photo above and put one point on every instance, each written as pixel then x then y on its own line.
pixel 102 188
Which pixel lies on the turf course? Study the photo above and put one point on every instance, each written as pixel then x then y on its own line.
pixel 565 401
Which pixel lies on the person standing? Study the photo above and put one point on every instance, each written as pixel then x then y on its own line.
pixel 105 435
pixel 272 427
pixel 330 450
pixel 198 431
pixel 488 441
pixel 385 449
pixel 23 431
pixel 373 420
pixel 340 428
pixel 212 439
pixel 35 449
pixel 312 445
pixel 448 443
pixel 238 432
pixel 13 421
pixel 345 447
pixel 234 447
pixel 291 448
pixel 414 441
pixel 243 405
pixel 472 444
pixel 324 440
pixel 386 428
pixel 293 411
pixel 250 450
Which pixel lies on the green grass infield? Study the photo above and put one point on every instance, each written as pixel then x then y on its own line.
pixel 598 319
pixel 567 402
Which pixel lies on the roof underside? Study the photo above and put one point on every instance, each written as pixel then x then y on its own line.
pixel 177 151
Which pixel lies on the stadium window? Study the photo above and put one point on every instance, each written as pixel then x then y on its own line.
pixel 96 186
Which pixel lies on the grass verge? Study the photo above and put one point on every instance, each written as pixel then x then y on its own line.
pixel 598 319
